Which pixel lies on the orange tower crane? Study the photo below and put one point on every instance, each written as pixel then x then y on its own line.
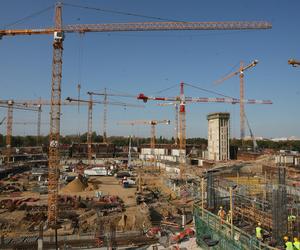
pixel 182 100
pixel 105 117
pixel 90 103
pixel 294 62
pixel 240 72
pixel 58 31
pixel 153 124
pixel 11 105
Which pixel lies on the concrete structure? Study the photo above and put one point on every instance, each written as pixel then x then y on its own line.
pixel 288 158
pixel 218 136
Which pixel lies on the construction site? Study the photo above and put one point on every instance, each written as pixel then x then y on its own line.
pixel 162 188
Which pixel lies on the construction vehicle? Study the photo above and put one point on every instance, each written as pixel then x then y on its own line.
pixel 59 31
pixel 240 72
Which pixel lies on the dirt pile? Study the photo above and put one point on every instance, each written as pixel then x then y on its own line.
pixel 74 186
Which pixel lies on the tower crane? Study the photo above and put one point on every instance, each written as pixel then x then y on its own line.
pixel 11 105
pixel 105 117
pixel 58 31
pixel 90 103
pixel 38 103
pixel 240 72
pixel 153 124
pixel 105 95
pixel 182 100
pixel 294 62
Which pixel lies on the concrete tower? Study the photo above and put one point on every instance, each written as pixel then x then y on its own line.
pixel 218 136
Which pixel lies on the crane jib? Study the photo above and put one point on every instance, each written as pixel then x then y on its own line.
pixel 141 26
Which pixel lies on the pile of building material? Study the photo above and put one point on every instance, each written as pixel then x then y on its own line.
pixel 77 185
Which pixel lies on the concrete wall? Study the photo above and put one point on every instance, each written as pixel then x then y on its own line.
pixel 218 136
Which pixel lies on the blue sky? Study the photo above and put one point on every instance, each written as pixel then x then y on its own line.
pixel 151 61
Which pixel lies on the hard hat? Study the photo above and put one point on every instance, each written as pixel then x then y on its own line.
pixel 221 207
pixel 286 238
pixel 295 239
pixel 259 223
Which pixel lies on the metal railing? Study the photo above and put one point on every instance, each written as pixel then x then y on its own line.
pixel 208 224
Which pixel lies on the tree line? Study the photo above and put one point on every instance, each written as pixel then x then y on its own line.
pixel 29 140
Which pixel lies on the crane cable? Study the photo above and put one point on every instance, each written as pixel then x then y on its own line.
pixel 120 12
pixel 208 91
pixel 22 20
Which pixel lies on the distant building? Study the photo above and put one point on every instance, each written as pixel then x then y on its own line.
pixel 218 136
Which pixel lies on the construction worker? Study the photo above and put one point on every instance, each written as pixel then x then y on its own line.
pixel 288 244
pixel 296 243
pixel 222 214
pixel 258 232
pixel 228 217
pixel 291 223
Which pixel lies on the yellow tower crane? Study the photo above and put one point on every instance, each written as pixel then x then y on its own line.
pixel 11 105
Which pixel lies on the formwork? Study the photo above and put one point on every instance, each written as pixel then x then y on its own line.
pixel 209 225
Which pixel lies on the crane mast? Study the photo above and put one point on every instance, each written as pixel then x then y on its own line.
pixel 105 117
pixel 90 129
pixel 176 123
pixel 242 106
pixel 182 129
pixel 53 164
pixel 240 72
pixel 39 121
pixel 9 123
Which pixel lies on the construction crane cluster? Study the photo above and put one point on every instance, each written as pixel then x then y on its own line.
pixel 182 100
pixel 58 31
pixel 90 102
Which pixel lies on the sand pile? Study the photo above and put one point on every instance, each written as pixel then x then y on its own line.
pixel 74 186
pixel 91 187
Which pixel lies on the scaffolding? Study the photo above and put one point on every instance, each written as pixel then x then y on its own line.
pixel 213 234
